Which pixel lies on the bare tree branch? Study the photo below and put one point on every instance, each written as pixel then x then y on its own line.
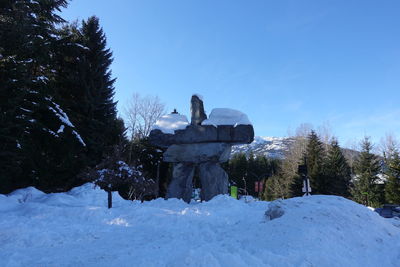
pixel 142 113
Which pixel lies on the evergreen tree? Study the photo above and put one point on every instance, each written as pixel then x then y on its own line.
pixel 367 168
pixel 261 168
pixel 237 170
pixel 246 171
pixel 86 89
pixel 337 171
pixel 276 187
pixel 296 183
pixel 253 174
pixel 27 31
pixel 315 156
pixel 392 171
pixel 99 124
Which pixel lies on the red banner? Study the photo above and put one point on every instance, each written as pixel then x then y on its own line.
pixel 259 186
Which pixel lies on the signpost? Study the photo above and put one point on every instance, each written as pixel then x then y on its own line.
pixel 259 186
pixel 306 187
pixel 302 170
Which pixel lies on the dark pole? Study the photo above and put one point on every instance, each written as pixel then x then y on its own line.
pixel 158 179
pixel 109 198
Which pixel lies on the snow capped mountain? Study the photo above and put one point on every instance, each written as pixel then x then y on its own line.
pixel 272 147
pixel 276 147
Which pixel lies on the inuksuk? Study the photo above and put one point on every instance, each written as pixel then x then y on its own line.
pixel 203 144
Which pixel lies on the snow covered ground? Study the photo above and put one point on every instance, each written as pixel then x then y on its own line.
pixel 76 229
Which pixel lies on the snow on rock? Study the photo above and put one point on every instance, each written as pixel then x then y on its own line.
pixel 274 210
pixel 171 122
pixel 226 116
pixel 76 229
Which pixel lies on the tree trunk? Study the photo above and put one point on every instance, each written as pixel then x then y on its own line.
pixel 109 199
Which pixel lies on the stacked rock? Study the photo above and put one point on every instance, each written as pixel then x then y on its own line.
pixel 202 144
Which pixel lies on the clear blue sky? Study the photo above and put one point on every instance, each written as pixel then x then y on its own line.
pixel 281 62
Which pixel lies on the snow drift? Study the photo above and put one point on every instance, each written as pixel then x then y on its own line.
pixel 226 116
pixel 76 229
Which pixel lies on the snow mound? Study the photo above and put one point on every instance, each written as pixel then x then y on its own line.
pixel 226 116
pixel 171 122
pixel 310 231
pixel 26 194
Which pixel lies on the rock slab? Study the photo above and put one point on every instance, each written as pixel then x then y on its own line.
pixel 198 153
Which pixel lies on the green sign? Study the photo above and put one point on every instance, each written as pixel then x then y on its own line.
pixel 234 191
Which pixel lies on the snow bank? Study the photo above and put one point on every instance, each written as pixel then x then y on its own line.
pixel 226 116
pixel 76 229
pixel 171 122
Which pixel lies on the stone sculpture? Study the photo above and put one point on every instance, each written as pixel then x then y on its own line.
pixel 202 144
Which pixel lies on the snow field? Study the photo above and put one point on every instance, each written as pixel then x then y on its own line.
pixel 76 229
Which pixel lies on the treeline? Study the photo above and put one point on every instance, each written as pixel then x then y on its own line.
pixel 245 171
pixel 369 179
pixel 57 113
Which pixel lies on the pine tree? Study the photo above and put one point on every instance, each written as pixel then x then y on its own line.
pixel 392 171
pixel 296 182
pixel 86 89
pixel 237 170
pixel 315 156
pixel 337 171
pixel 26 37
pixel 367 167
pixel 99 125
pixel 253 174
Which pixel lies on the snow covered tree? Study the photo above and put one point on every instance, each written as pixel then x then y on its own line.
pixel 114 174
pixel 56 153
pixel 56 96
pixel 337 171
pixel 365 183
pixel 27 35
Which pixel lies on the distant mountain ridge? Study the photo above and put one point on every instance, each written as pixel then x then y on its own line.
pixel 276 147
pixel 271 147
